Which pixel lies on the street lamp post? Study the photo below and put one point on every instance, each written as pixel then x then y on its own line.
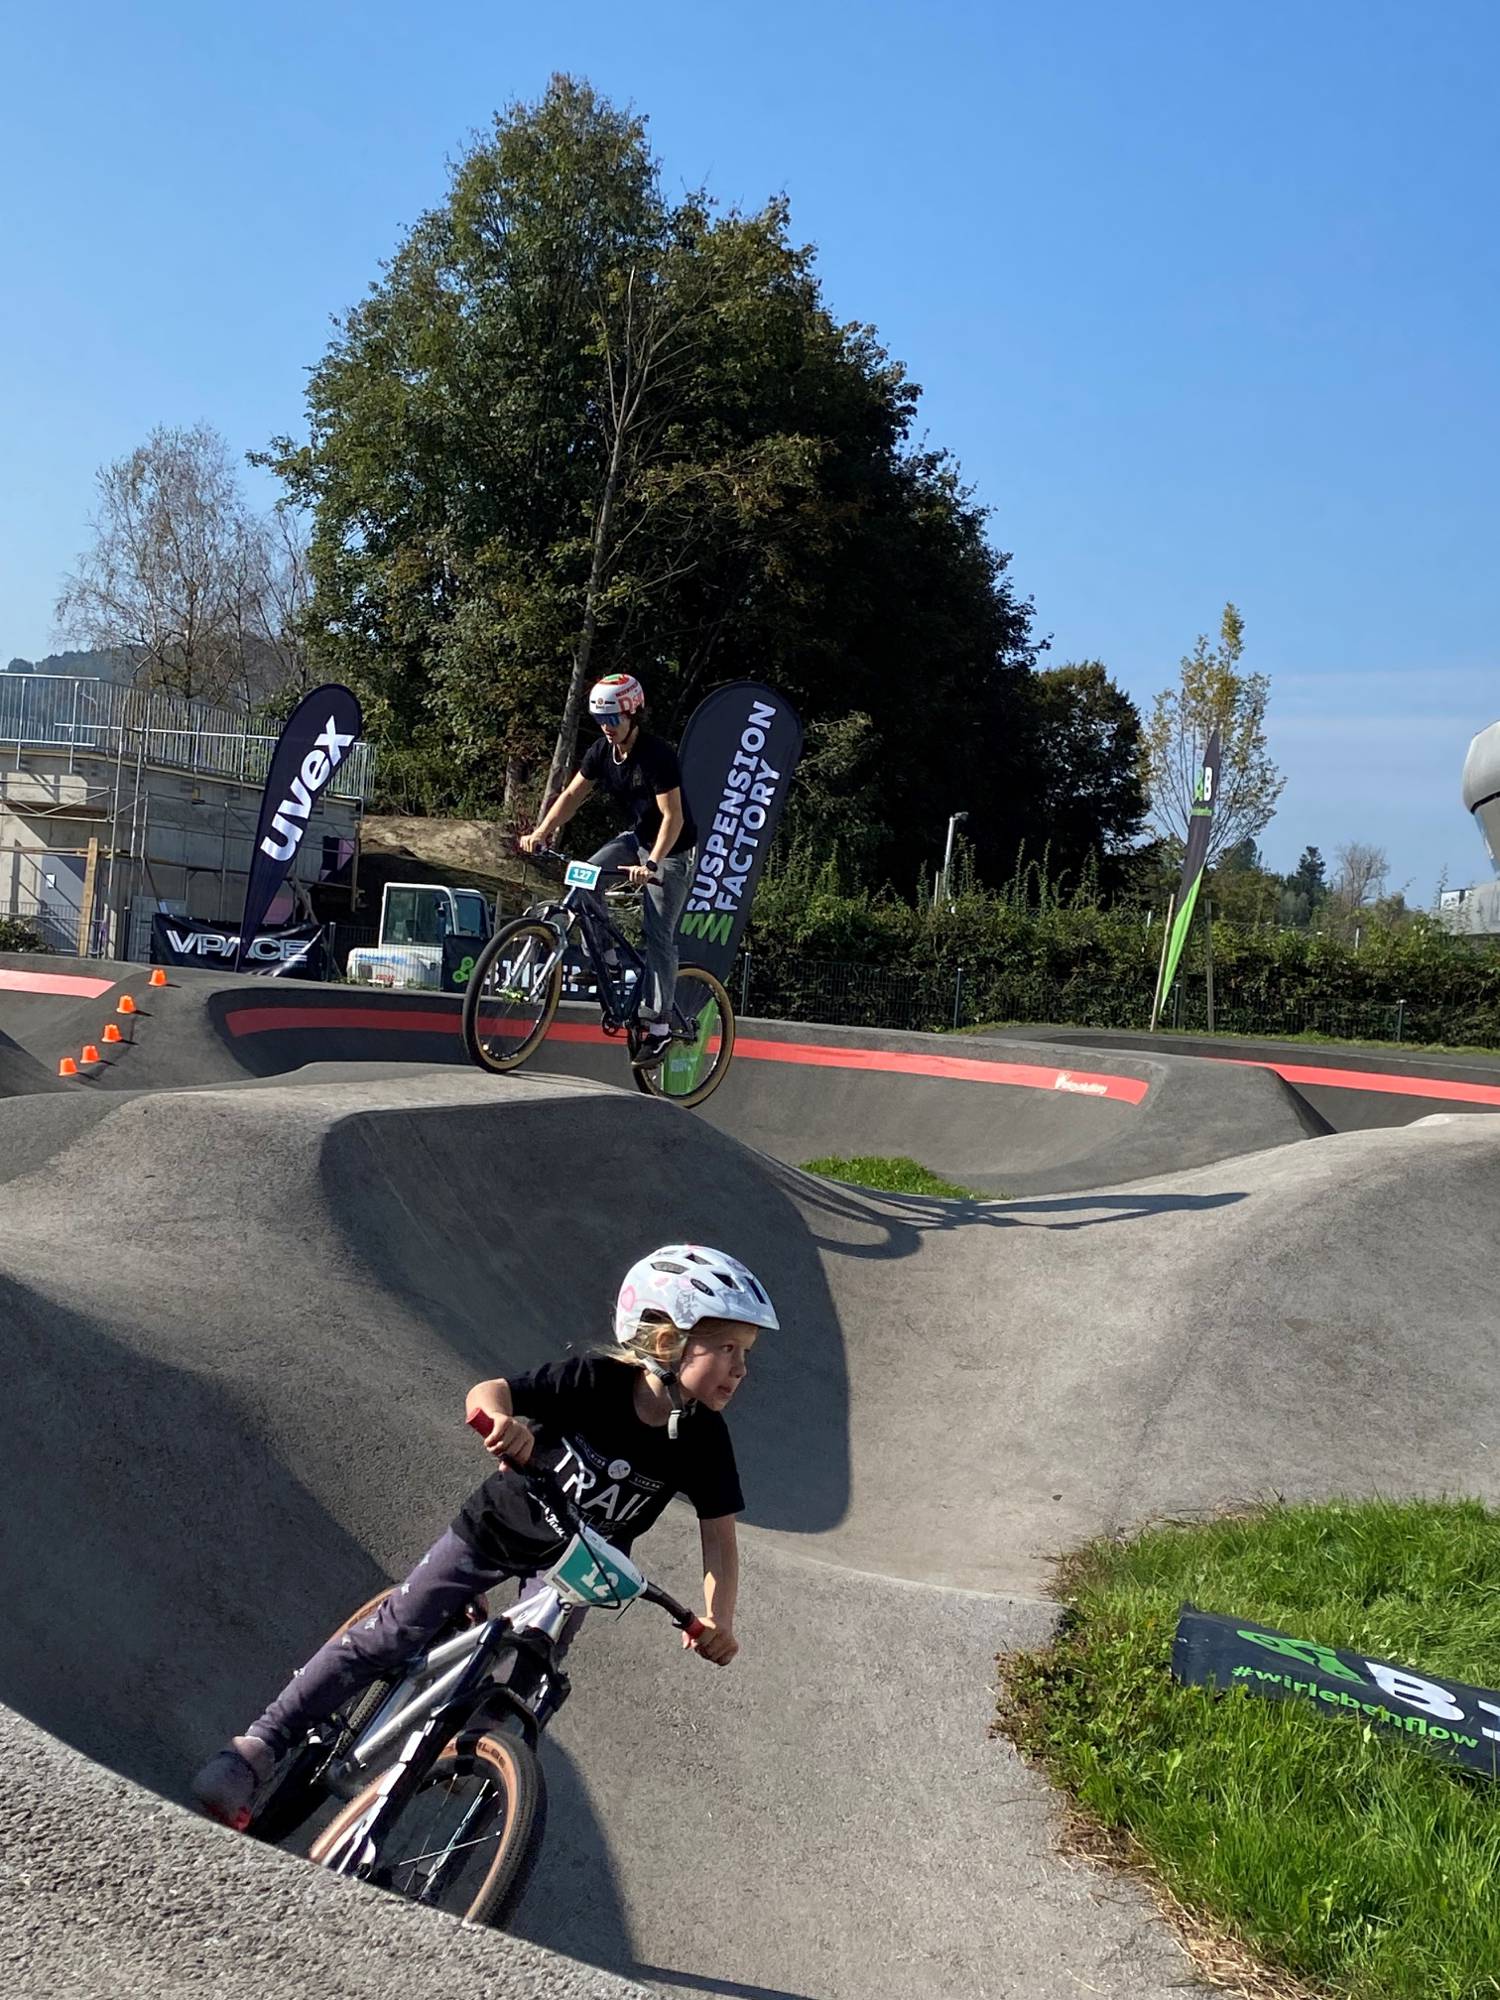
pixel 953 821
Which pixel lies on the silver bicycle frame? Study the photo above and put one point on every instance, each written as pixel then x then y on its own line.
pixel 430 1680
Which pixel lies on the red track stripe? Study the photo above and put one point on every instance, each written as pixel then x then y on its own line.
pixel 75 985
pixel 962 1069
pixel 1376 1081
pixel 817 1055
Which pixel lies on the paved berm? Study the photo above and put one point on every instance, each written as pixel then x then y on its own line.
pixel 238 1320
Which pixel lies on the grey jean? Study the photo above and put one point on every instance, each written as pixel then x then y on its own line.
pixel 663 906
pixel 437 1590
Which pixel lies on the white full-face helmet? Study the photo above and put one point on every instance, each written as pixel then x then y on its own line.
pixel 615 696
pixel 685 1282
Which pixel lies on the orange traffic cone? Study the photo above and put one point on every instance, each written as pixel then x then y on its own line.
pixel 126 1006
pixel 67 1067
pixel 112 1033
pixel 90 1054
pixel 158 977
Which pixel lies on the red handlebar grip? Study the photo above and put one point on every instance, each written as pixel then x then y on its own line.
pixel 481 1423
pixel 695 1629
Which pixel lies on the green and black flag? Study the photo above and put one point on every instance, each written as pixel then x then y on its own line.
pixel 1193 863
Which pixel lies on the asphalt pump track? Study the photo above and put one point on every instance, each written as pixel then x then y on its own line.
pixel 241 1297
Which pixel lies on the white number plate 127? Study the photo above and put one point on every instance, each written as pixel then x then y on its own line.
pixel 582 875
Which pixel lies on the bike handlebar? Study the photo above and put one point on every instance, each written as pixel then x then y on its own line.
pixel 541 1476
pixel 556 854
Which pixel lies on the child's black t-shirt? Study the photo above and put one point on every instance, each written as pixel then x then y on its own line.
pixel 619 1472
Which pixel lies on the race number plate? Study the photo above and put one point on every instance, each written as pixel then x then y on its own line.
pixel 582 875
pixel 592 1573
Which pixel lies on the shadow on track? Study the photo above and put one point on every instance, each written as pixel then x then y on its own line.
pixel 904 1221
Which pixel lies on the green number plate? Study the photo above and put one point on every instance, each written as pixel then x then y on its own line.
pixel 591 1572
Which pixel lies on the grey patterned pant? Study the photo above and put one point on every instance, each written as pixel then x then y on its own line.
pixel 437 1590
pixel 661 909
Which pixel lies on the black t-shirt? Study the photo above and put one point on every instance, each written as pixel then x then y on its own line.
pixel 650 769
pixel 619 1472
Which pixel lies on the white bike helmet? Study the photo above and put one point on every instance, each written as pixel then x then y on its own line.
pixel 686 1282
pixel 616 694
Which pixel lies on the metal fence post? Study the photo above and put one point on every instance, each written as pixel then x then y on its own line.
pixel 958 994
pixel 1400 1017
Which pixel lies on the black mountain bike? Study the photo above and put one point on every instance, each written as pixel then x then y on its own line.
pixel 515 988
pixel 444 1798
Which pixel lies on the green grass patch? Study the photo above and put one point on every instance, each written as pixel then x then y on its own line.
pixel 1329 1851
pixel 894 1174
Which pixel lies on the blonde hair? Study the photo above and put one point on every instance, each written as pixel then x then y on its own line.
pixel 645 1345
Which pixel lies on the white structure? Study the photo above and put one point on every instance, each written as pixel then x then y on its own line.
pixel 1476 910
pixel 115 797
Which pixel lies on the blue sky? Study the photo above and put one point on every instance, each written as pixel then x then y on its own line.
pixel 1205 300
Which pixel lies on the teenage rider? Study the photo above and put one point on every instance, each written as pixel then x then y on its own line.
pixel 641 771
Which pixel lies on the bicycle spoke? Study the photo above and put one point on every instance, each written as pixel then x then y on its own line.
pixel 513 994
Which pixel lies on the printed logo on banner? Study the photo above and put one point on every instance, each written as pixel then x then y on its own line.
pixel 318 766
pixel 1446 1718
pixel 194 941
pixel 739 752
pixel 308 753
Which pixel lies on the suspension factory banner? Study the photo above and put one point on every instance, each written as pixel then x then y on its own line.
pixel 1194 859
pixel 317 738
pixel 739 753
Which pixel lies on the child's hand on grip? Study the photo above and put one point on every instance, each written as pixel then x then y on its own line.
pixel 504 1436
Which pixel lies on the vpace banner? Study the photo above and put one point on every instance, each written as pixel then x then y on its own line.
pixel 1445 1718
pixel 297 951
pixel 315 741
pixel 738 753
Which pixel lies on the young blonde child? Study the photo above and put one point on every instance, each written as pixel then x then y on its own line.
pixel 622 1431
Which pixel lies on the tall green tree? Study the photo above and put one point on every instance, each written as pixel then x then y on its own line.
pixel 1087 736
pixel 1212 690
pixel 574 428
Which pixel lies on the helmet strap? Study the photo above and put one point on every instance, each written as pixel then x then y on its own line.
pixel 668 1378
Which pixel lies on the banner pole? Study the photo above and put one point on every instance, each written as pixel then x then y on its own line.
pixel 1208 956
pixel 1166 933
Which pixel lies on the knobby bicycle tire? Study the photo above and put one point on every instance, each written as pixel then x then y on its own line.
pixel 699 1084
pixel 508 941
pixel 497 1794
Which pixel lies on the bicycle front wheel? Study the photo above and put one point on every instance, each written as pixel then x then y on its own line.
pixel 466 1841
pixel 512 995
pixel 702 1044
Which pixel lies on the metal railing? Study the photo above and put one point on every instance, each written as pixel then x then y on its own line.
pixel 98 718
pixel 56 924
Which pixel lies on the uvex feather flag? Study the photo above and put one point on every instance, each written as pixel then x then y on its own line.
pixel 1193 862
pixel 318 736
pixel 738 754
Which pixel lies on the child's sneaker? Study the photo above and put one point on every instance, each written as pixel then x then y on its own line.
pixel 225 1788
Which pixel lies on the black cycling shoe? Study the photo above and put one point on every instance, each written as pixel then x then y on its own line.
pixel 650 1052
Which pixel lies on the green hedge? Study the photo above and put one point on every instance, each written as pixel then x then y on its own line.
pixel 817 952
